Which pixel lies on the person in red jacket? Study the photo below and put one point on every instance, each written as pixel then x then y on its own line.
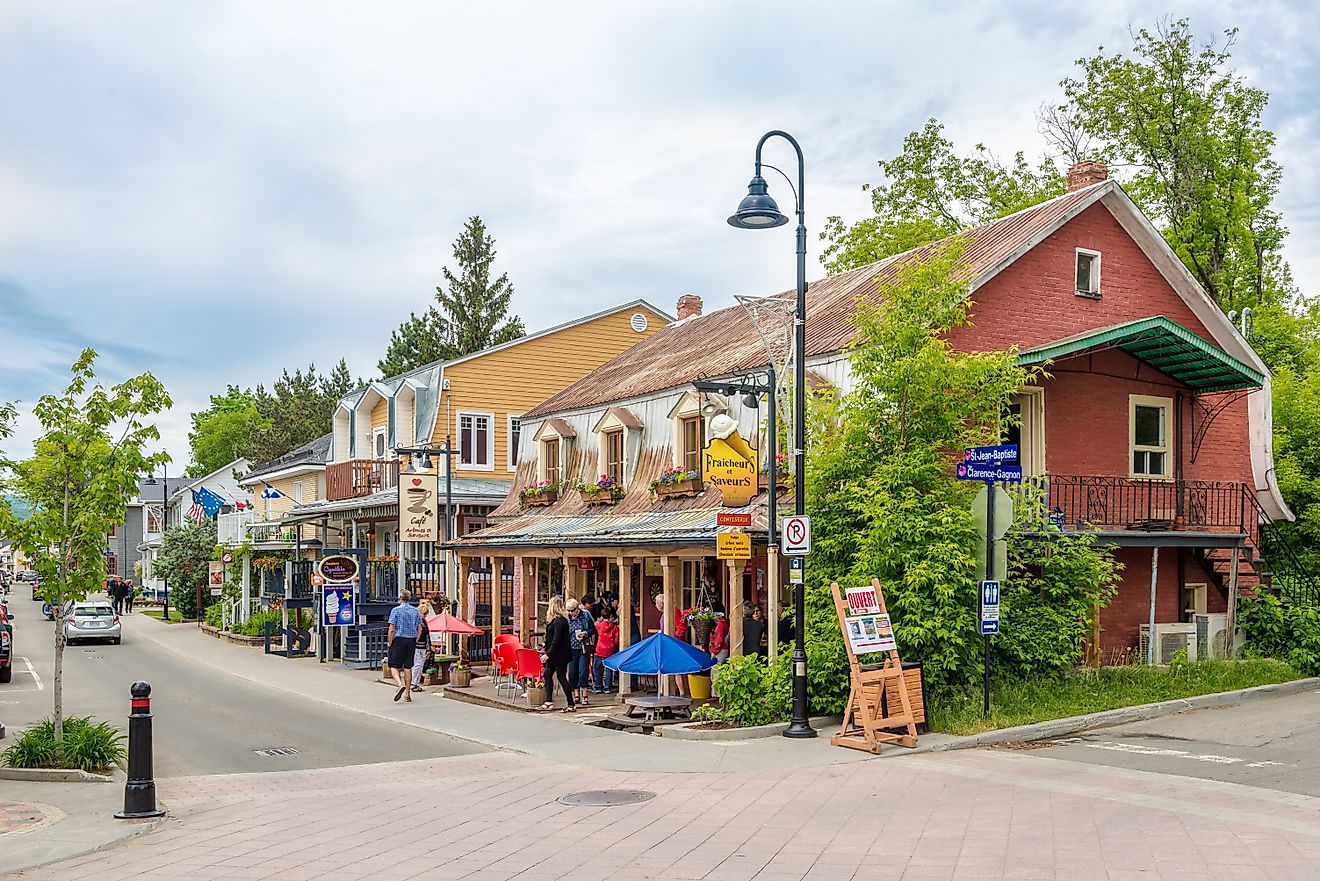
pixel 607 643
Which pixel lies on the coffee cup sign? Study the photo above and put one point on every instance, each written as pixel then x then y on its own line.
pixel 419 517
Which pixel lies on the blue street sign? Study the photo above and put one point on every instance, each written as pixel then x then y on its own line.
pixel 996 455
pixel 990 473
pixel 989 611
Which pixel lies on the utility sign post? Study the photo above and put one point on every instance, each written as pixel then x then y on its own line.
pixel 989 608
pixel 988 464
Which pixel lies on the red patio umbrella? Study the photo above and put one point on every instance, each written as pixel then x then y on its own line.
pixel 447 623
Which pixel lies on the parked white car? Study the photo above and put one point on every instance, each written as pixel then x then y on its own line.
pixel 94 620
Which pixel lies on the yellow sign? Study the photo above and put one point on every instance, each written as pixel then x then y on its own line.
pixel 730 466
pixel 734 546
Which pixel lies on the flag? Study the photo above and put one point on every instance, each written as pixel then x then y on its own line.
pixel 195 512
pixel 211 502
pixel 270 492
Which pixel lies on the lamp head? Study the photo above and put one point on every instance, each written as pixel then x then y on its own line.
pixel 150 481
pixel 751 400
pixel 710 408
pixel 426 461
pixel 757 210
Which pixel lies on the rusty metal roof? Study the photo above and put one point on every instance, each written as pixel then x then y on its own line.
pixel 694 526
pixel 725 342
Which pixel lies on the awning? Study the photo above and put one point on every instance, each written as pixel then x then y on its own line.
pixel 685 528
pixel 1163 344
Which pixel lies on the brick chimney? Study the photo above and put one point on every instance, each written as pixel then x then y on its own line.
pixel 1085 173
pixel 689 305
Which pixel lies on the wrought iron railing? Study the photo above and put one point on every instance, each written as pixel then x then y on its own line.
pixel 1288 574
pixel 300 586
pixel 1098 502
pixel 373 644
pixel 382 584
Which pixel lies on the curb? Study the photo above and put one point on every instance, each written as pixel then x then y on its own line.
pixel 687 731
pixel 1104 719
pixel 53 775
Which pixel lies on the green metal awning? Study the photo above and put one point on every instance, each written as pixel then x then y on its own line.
pixel 1165 345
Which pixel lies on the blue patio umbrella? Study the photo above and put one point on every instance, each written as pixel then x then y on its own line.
pixel 660 655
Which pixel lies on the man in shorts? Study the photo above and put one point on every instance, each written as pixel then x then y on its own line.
pixel 405 627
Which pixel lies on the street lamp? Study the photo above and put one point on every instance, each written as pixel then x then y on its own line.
pixel 758 211
pixel 426 451
pixel 164 516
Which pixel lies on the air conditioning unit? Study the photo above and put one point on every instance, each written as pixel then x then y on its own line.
pixel 1212 635
pixel 1169 640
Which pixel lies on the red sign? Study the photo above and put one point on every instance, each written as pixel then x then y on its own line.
pixel 863 601
pixel 729 519
pixel 586 563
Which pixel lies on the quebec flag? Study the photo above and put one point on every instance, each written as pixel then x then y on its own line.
pixel 270 492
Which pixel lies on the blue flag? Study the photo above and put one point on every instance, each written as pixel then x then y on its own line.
pixel 209 501
pixel 270 492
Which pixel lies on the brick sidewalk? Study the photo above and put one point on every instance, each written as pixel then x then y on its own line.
pixel 973 815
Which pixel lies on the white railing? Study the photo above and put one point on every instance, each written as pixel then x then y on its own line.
pixel 231 529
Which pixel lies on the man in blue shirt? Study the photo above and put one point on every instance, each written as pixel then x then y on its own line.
pixel 405 626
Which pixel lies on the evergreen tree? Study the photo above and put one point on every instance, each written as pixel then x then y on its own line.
pixel 472 314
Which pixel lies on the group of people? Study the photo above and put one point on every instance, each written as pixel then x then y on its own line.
pixel 410 647
pixel 579 636
pixel 121 593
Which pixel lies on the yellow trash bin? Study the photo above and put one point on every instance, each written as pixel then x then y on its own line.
pixel 699 686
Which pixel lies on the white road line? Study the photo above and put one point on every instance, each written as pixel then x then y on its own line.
pixel 32 671
pixel 1164 753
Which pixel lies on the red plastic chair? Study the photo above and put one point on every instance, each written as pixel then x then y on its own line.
pixel 504 664
pixel 528 664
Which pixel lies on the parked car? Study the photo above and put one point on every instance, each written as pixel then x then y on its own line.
pixel 6 649
pixel 92 620
pixel 27 575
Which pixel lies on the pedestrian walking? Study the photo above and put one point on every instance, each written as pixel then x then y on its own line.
pixel 425 650
pixel 582 645
pixel 607 643
pixel 112 591
pixel 405 626
pixel 555 655
pixel 130 592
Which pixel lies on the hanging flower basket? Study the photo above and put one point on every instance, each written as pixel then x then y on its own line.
pixel 701 628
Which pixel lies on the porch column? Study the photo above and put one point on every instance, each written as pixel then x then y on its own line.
pixel 1233 600
pixel 464 599
pixel 496 596
pixel 527 591
pixel 669 566
pixel 247 590
pixel 733 606
pixel 1154 575
pixel 401 547
pixel 625 602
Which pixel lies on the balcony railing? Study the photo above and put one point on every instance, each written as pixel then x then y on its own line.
pixel 360 477
pixel 1079 501
pixel 231 528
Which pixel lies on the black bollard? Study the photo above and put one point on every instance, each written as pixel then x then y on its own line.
pixel 140 790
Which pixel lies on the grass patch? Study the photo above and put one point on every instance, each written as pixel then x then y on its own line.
pixel 1018 702
pixel 175 617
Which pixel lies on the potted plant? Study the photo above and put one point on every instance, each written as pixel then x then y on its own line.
pixel 460 674
pixel 605 491
pixel 701 621
pixel 535 691
pixel 677 482
pixel 538 494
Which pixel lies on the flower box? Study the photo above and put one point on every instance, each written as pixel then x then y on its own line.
pixel 785 481
pixel 540 500
pixel 601 497
pixel 680 488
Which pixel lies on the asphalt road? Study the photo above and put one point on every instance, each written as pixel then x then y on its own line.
pixel 1273 744
pixel 205 722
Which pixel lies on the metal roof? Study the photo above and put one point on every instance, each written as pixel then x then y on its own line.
pixel 311 453
pixel 1165 345
pixel 386 502
pixel 685 527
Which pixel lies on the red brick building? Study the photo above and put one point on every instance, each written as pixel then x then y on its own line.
pixel 1153 428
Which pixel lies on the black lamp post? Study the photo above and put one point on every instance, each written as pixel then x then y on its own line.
pixel 164 517
pixel 759 211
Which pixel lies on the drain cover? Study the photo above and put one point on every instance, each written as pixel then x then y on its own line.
pixel 277 751
pixel 606 798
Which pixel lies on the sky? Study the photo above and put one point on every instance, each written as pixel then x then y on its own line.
pixel 215 191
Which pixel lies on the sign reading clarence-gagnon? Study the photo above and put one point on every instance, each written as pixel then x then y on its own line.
pixel 728 463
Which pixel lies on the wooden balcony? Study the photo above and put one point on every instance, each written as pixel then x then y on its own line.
pixel 360 477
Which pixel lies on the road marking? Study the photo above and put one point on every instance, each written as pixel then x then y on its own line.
pixel 33 673
pixel 1165 753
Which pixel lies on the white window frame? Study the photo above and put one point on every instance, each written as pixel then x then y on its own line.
pixel 1165 404
pixel 542 463
pixel 688 407
pixel 297 493
pixel 1094 292
pixel 380 440
pixel 490 440
pixel 512 452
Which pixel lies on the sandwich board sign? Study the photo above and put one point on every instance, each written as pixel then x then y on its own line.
pixel 879 709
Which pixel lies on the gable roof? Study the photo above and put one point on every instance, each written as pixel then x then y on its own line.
pixel 726 342
pixel 312 453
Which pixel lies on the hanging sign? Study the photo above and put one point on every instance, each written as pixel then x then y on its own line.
pixel 728 463
pixel 215 577
pixel 419 516
pixel 733 546
pixel 337 569
pixel 731 518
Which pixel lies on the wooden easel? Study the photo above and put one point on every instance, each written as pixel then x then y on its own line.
pixel 866 722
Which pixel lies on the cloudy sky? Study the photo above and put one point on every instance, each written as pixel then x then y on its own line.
pixel 214 191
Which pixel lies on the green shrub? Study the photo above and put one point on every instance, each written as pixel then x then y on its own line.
pixel 86 746
pixel 256 625
pixel 213 615
pixel 1288 632
pixel 743 692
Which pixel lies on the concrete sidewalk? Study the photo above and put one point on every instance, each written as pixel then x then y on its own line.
pixel 552 736
pixel 41 822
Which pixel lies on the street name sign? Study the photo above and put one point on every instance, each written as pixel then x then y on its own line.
pixel 996 455
pixel 990 473
pixel 797 536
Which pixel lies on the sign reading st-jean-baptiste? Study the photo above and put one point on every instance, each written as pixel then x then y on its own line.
pixel 728 463
pixel 419 516
pixel 734 546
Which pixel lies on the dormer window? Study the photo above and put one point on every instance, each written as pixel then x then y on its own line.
pixel 691 428
pixel 553 448
pixel 613 433
pixel 550 460
pixel 614 455
pixel 1088 273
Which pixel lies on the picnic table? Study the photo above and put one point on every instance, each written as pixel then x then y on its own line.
pixel 649 711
